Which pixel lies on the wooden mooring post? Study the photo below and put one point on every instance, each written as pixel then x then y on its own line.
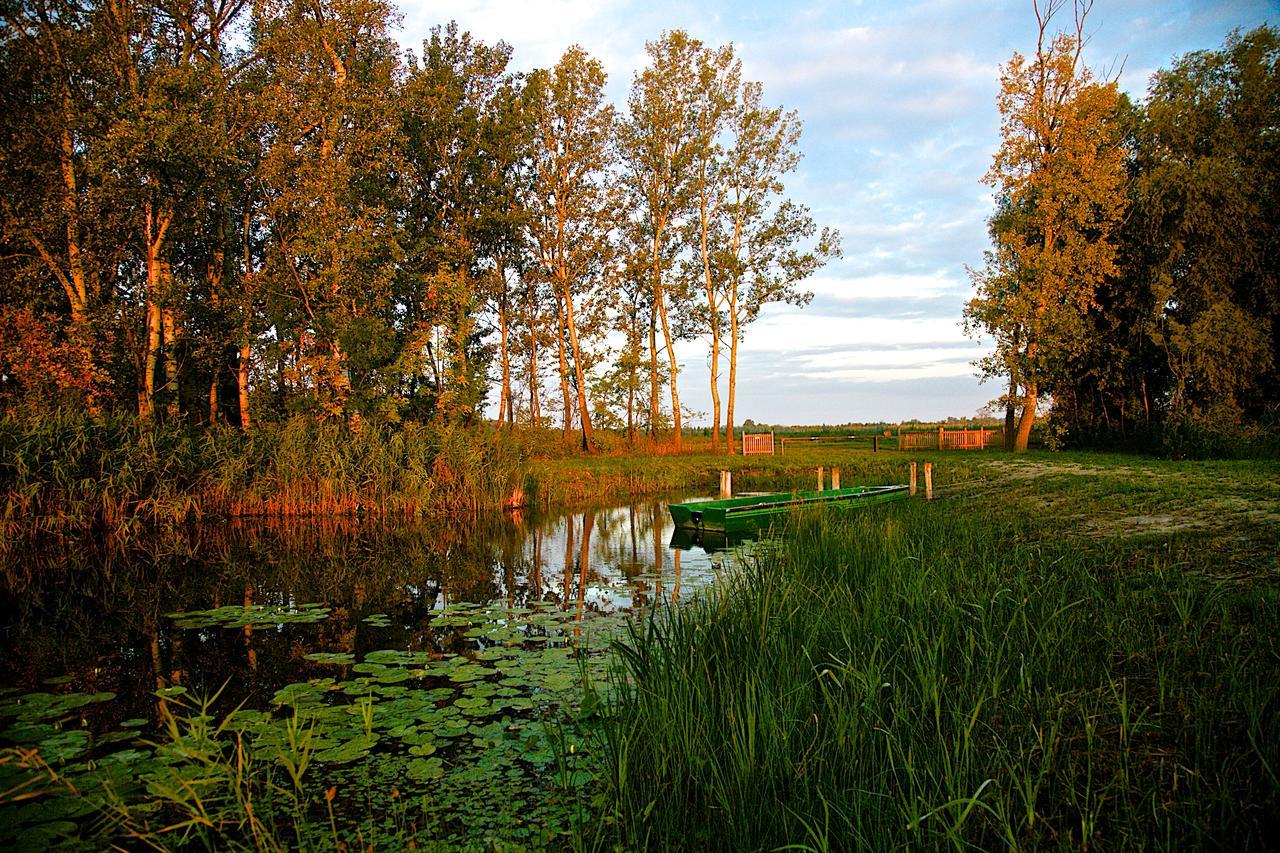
pixel 820 477
pixel 913 479
pixel 875 444
pixel 835 478
pixel 928 481
pixel 726 484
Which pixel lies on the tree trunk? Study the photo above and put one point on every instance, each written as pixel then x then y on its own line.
pixel 672 369
pixel 713 315
pixel 78 293
pixel 535 413
pixel 213 390
pixel 564 376
pixel 1028 417
pixel 155 226
pixel 146 408
pixel 173 398
pixel 505 404
pixel 242 381
pixel 584 413
pixel 654 408
pixel 1010 413
pixel 633 379
pixel 715 390
pixel 733 381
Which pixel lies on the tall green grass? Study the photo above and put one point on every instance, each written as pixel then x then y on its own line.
pixel 944 675
pixel 66 470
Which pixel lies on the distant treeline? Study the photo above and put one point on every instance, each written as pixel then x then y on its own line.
pixel 233 211
pixel 1134 277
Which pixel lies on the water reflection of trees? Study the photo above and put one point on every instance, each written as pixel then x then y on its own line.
pixel 97 609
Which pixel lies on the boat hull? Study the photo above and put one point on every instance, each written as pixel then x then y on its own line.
pixel 751 513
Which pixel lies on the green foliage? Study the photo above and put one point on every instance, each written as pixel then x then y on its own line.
pixel 939 675
pixel 402 747
pixel 1178 347
pixel 67 469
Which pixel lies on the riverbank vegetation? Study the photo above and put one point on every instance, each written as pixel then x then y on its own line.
pixel 67 471
pixel 1019 664
pixel 1061 649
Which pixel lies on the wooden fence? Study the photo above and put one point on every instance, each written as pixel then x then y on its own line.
pixel 757 443
pixel 949 439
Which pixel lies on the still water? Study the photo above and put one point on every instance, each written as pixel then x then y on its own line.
pixel 437 672
pixel 101 616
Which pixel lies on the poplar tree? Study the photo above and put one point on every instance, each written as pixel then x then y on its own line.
pixel 658 143
pixel 1060 172
pixel 762 238
pixel 572 210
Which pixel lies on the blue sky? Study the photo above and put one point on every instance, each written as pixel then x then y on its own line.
pixel 898 105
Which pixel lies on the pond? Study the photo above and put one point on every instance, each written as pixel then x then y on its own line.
pixel 437 667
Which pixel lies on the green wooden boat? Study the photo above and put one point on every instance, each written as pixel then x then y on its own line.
pixel 738 514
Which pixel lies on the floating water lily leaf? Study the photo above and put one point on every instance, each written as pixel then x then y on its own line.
pixel 332 657
pixel 349 750
pixel 558 681
pixel 63 746
pixel 397 657
pixel 302 692
pixel 425 769
pixel 377 620
pixel 239 616
pixel 135 722
pixel 469 672
pixel 49 706
pixel 57 679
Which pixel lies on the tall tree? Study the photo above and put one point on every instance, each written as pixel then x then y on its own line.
pixel 572 210
pixel 51 128
pixel 1060 169
pixel 718 90
pixel 465 142
pixel 330 193
pixel 762 237
pixel 1208 200
pixel 658 149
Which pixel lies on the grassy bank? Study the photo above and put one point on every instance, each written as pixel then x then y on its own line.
pixel 69 471
pixel 1060 653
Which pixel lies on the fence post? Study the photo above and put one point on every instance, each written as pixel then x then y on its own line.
pixel 942 432
pixel 913 478
pixel 819 478
pixel 928 481
pixel 875 444
pixel 835 478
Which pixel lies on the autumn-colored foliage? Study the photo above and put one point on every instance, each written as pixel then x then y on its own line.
pixel 47 363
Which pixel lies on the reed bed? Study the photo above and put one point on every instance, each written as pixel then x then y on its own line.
pixel 66 471
pixel 919 676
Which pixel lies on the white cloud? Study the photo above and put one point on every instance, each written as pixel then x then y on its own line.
pixel 886 286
